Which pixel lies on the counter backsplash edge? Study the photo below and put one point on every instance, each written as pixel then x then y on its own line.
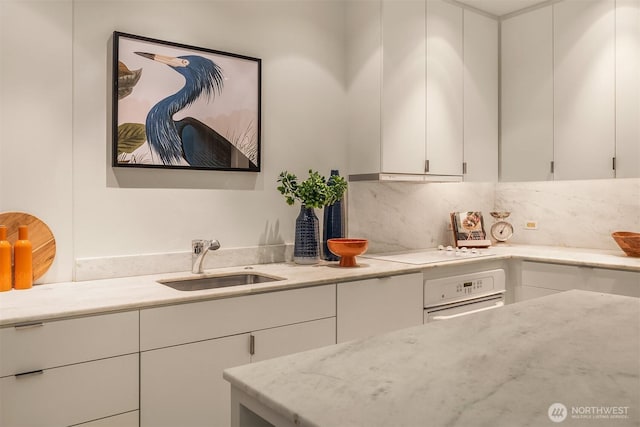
pixel 143 264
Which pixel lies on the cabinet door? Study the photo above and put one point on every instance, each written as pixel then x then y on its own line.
pixel 290 339
pixel 480 97
pixel 183 385
pixel 627 88
pixel 584 89
pixel 364 77
pixel 374 306
pixel 70 394
pixel 527 96
pixel 130 419
pixel 444 99
pixel 403 86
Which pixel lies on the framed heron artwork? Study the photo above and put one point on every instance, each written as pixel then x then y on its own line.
pixel 184 107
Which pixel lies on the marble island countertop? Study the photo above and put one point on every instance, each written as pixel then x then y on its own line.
pixel 501 367
pixel 62 300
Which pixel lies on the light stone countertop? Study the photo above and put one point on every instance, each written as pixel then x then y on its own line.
pixel 69 299
pixel 501 367
pixel 613 259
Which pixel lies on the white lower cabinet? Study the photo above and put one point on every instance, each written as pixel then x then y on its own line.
pixel 70 394
pixel 189 345
pixel 66 372
pixel 540 279
pixel 183 385
pixel 374 306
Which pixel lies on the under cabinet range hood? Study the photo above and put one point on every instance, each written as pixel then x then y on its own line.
pixel 405 177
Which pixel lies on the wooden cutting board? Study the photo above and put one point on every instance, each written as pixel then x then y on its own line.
pixel 41 237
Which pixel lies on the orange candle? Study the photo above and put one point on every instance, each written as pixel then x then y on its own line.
pixel 23 259
pixel 5 260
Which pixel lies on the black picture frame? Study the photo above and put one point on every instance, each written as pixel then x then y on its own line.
pixel 177 106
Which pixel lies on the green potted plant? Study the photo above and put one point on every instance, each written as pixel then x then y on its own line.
pixel 314 192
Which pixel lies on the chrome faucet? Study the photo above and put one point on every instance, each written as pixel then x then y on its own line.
pixel 199 249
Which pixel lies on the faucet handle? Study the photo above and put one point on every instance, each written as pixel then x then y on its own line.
pixel 198 245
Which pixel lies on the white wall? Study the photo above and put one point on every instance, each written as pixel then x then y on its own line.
pixel 95 210
pixel 36 110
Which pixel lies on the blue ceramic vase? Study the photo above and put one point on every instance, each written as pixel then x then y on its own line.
pixel 306 249
pixel 333 225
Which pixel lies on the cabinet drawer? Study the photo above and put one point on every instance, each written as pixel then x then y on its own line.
pixel 184 323
pixel 64 342
pixel 565 277
pixel 71 394
pixel 550 276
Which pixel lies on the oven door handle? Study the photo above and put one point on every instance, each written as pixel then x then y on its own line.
pixel 496 305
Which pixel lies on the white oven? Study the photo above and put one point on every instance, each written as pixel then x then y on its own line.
pixel 455 296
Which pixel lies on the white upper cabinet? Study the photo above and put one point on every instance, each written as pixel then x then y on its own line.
pixel 480 97
pixel 584 89
pixel 527 96
pixel 364 77
pixel 627 88
pixel 444 88
pixel 571 92
pixel 406 91
pixel 403 87
pixel 422 84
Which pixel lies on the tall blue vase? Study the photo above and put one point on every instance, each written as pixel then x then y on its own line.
pixel 306 248
pixel 333 225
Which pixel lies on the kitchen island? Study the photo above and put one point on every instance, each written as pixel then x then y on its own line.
pixel 573 355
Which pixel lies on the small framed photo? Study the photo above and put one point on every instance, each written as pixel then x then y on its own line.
pixel 184 107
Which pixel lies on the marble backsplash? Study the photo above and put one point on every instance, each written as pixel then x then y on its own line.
pixel 582 214
pixel 402 215
pixel 141 264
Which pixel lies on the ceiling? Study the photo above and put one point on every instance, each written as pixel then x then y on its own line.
pixel 501 7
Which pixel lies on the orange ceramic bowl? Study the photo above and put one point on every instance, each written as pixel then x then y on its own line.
pixel 628 241
pixel 347 249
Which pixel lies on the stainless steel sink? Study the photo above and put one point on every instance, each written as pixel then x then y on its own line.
pixel 219 281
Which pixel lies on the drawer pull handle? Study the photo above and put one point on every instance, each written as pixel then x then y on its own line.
pixel 28 325
pixel 28 374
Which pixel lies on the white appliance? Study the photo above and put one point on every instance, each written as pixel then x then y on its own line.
pixel 456 296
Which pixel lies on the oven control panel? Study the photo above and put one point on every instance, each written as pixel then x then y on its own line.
pixel 456 288
pixel 469 287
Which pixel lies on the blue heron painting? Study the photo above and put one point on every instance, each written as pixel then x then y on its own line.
pixel 187 141
pixel 189 138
